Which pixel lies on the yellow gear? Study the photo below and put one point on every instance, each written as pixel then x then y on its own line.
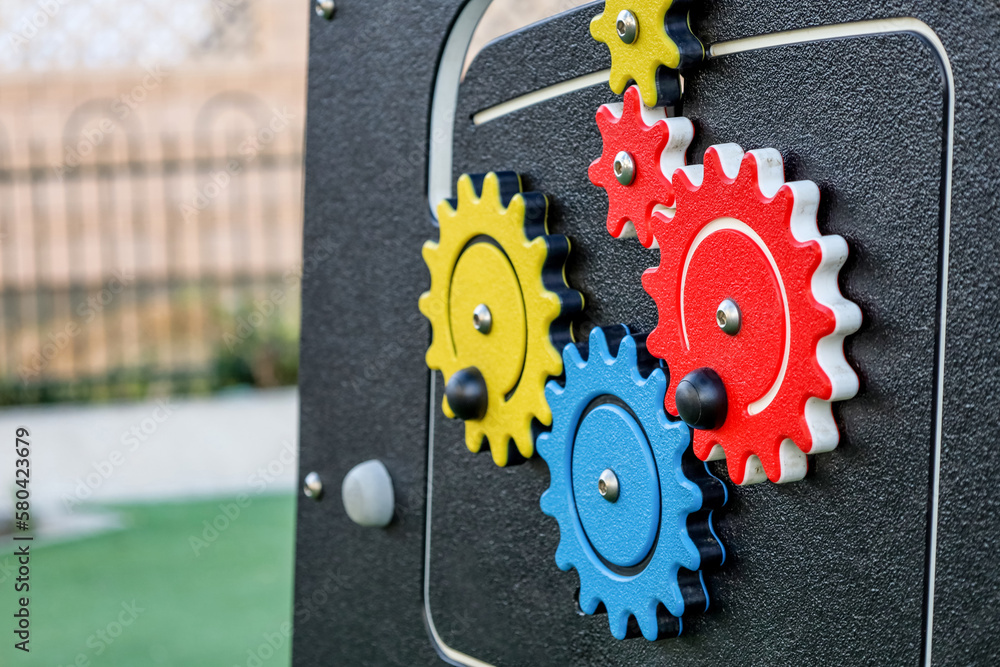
pixel 502 257
pixel 663 38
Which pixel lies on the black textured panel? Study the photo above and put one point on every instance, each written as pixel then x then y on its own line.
pixel 967 586
pixel 832 567
pixel 363 380
pixel 830 570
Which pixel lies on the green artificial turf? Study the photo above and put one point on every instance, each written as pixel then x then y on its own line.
pixel 217 608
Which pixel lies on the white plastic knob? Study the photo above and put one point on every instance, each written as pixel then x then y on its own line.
pixel 368 496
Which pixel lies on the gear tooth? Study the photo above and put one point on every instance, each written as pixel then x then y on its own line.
pixel 539 250
pixel 672 57
pixel 473 436
pixel 791 465
pixel 753 471
pixel 588 603
pixel 429 250
pixel 563 559
pixel 572 359
pixel 435 362
pixel 673 599
pixel 680 134
pixel 437 356
pixel 543 413
pixel 444 211
pixel 553 392
pixel 500 445
pixel 525 442
pixel 735 466
pixel 433 308
pixel 466 192
pixel 549 309
pixel 557 466
pixel 594 172
pixel 445 408
pixel 618 621
pixel 631 109
pixel 541 442
pixel 596 24
pixel 655 388
pixel 647 621
pixel 549 504
pixel 516 209
pixel 658 226
pixel 491 191
pixel 613 112
pixel 726 163
pixel 545 502
pixel 766 167
pixel 696 500
pixel 689 178
pixel 617 80
pixel 648 87
pixel 628 357
pixel 598 342
pixel 649 279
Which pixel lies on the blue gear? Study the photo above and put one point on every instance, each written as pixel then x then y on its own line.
pixel 628 552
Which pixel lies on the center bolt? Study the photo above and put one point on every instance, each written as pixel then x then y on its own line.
pixel 727 315
pixel 627 26
pixel 607 485
pixel 624 167
pixel 482 319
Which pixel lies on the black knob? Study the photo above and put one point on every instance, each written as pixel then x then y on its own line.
pixel 701 399
pixel 466 394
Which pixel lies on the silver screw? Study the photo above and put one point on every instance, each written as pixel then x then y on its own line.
pixel 313 487
pixel 627 26
pixel 624 167
pixel 482 319
pixel 607 485
pixel 325 9
pixel 728 317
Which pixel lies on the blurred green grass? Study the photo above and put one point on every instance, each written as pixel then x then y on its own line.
pixel 216 608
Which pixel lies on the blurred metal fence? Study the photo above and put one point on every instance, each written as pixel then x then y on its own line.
pixel 131 263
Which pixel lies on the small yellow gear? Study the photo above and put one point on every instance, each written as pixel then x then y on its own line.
pixel 496 305
pixel 644 35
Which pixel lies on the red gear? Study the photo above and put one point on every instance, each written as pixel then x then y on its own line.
pixel 740 232
pixel 657 150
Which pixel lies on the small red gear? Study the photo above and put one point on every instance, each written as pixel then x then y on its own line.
pixel 742 236
pixel 656 145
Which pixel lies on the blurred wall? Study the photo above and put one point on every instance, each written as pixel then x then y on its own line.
pixel 150 158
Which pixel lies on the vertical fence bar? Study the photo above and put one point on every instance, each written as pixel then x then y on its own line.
pixel 9 267
pixel 140 290
pixel 172 228
pixel 42 247
pixel 106 226
pixel 74 226
pixel 208 234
